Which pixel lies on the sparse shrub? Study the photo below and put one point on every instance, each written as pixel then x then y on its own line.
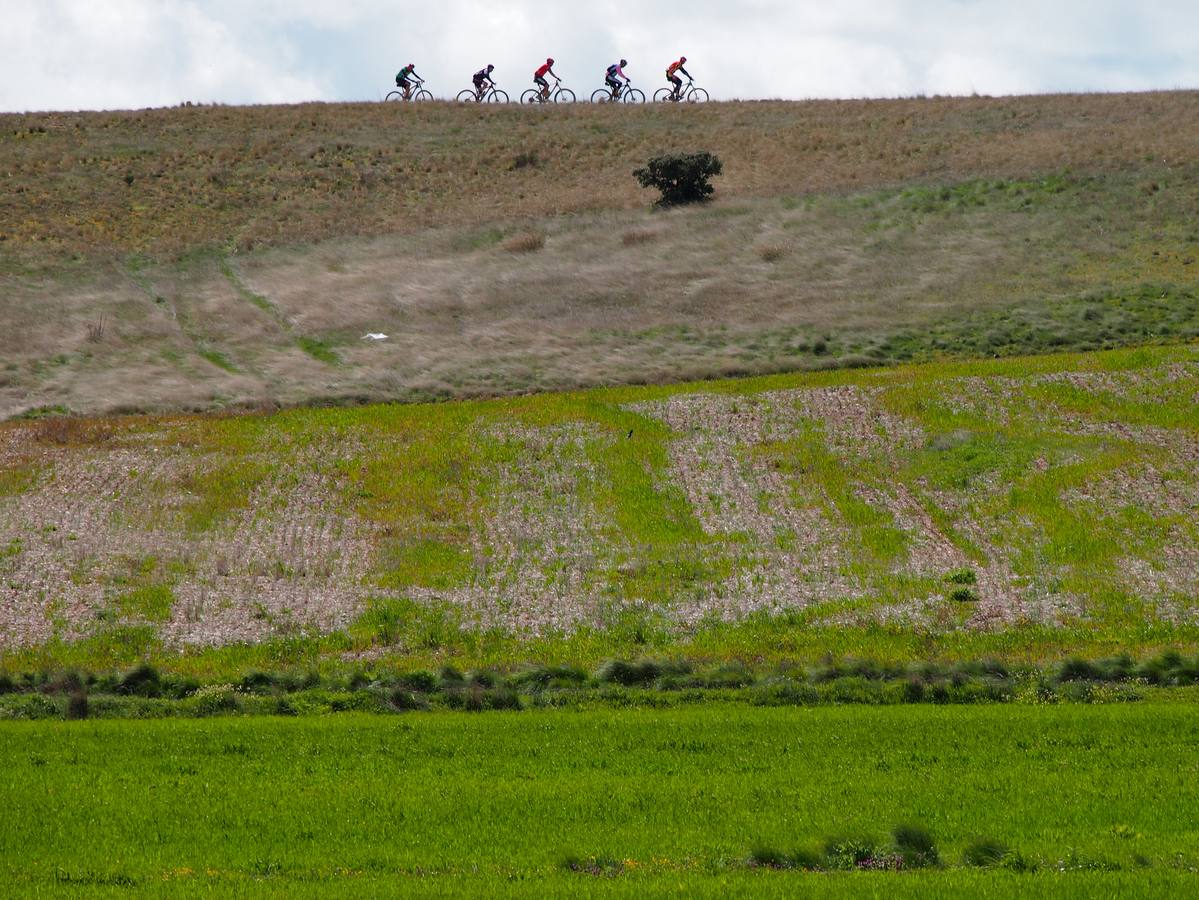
pixel 215 698
pixel 7 685
pixel 144 681
pixel 913 691
pixel 420 681
pixel 769 858
pixel 985 852
pixel 849 853
pixel 526 242
pixel 450 677
pixel 681 177
pixel 284 707
pixel 404 699
pixel 33 706
pixel 785 692
pixel 77 706
pixel 915 846
pixel 256 683
pixel 525 160
pixel 501 698
pixel 731 675
pixel 965 577
pixel 539 678
pixel 618 671
pixel 598 866
pixel 475 698
pixel 963 595
pixel 358 680
pixel 854 689
pixel 1075 669
pixel 482 678
pixel 772 253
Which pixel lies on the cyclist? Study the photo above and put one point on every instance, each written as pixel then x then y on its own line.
pixel 405 77
pixel 539 78
pixel 673 78
pixel 612 79
pixel 482 80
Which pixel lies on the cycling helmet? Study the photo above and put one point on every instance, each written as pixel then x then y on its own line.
pixel 549 62
pixel 623 63
pixel 682 59
pixel 490 67
pixel 412 65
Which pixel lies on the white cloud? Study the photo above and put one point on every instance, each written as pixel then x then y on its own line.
pixel 114 53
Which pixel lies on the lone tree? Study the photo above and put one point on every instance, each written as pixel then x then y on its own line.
pixel 681 177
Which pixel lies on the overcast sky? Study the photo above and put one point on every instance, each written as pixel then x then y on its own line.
pixel 98 54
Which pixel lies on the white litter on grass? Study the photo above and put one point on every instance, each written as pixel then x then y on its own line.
pixel 374 337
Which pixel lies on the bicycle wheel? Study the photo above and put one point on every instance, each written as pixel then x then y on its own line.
pixel 697 95
pixel 497 97
pixel 566 95
pixel 663 95
pixel 468 96
pixel 393 96
pixel 603 95
pixel 633 95
pixel 423 96
pixel 530 96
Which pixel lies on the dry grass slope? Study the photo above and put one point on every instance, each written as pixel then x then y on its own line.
pixel 207 258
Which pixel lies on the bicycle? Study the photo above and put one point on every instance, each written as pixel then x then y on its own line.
pixel 419 95
pixel 689 94
pixel 628 94
pixel 558 95
pixel 491 95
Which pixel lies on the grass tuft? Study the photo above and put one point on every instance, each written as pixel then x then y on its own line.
pixel 526 242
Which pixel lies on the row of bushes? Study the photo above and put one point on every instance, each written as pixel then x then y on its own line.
pixel 616 682
pixel 909 846
pixel 913 847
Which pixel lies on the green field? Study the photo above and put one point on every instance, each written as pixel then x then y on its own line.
pixel 1027 509
pixel 1087 800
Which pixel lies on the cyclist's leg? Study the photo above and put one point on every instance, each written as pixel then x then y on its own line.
pixel 543 86
pixel 678 85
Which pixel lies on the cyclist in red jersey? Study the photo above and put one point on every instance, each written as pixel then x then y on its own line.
pixel 539 78
pixel 673 78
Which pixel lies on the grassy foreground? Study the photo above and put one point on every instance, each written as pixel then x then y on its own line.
pixel 1079 801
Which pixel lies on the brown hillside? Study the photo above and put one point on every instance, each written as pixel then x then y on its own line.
pixel 166 181
pixel 203 258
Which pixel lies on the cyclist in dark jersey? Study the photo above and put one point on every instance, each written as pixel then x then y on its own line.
pixel 405 77
pixel 483 77
pixel 612 79
pixel 539 78
pixel 672 75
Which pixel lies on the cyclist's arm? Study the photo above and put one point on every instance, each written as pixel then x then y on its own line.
pixel 685 72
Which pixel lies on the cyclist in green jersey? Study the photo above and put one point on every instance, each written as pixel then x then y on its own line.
pixel 405 77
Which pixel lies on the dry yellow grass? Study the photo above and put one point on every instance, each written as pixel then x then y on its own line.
pixel 169 181
pixel 238 256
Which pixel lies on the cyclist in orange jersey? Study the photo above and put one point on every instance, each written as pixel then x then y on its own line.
pixel 673 78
